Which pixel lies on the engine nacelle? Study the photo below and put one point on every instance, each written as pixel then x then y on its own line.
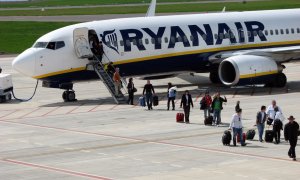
pixel 247 69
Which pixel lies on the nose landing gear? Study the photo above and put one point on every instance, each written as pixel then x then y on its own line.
pixel 69 96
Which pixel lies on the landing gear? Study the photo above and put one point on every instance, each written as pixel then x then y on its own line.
pixel 279 81
pixel 214 77
pixel 69 96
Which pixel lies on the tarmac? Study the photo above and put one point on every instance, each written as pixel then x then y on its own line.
pixel 93 138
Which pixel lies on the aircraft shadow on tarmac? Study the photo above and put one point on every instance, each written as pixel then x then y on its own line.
pixel 255 90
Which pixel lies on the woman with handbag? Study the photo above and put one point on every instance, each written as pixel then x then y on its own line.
pixel 131 90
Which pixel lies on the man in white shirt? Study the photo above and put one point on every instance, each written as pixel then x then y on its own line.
pixel 237 127
pixel 271 112
pixel 277 124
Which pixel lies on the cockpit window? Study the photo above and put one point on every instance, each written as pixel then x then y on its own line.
pixel 59 44
pixel 50 45
pixel 40 45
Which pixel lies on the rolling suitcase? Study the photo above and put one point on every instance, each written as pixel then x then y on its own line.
pixel 179 117
pixel 155 100
pixel 250 134
pixel 226 138
pixel 269 135
pixel 208 121
pixel 238 137
pixel 142 101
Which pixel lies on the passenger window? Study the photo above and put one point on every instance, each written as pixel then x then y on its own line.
pixel 192 38
pixel 271 32
pixel 134 42
pixel 292 31
pixel 127 42
pixel 298 30
pixel 166 40
pixel 221 36
pixel 226 35
pixel 172 39
pixel 159 40
pixel 140 42
pixel 287 31
pixel 204 37
pixel 266 32
pixel 59 44
pixel 249 33
pixel 147 41
pixel 185 39
pixel 121 43
pixel 152 40
pixel 260 33
pixel 216 36
pixel 276 31
pixel 179 39
pixel 281 31
pixel 51 45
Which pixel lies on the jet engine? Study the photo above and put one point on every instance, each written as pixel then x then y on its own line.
pixel 251 69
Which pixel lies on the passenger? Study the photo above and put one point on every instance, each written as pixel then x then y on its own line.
pixel 277 125
pixel 110 69
pixel 217 106
pixel 186 103
pixel 237 106
pixel 237 127
pixel 131 90
pixel 205 104
pixel 291 134
pixel 271 112
pixel 117 81
pixel 260 122
pixel 148 88
pixel 171 95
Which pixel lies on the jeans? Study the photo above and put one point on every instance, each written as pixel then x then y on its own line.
pixel 173 103
pixel 238 131
pixel 260 128
pixel 206 112
pixel 149 100
pixel 217 116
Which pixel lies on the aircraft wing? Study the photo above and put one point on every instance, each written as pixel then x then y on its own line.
pixel 279 54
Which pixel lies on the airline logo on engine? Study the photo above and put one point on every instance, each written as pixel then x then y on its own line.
pixel 194 36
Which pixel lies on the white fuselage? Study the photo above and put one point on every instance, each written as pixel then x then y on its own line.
pixel 164 44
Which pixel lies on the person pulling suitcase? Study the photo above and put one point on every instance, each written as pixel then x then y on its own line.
pixel 237 127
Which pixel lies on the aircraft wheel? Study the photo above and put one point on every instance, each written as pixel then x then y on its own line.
pixel 65 95
pixel 71 96
pixel 214 77
pixel 281 80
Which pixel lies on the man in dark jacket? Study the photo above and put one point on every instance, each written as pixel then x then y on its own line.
pixel 217 106
pixel 260 122
pixel 186 103
pixel 149 91
pixel 291 134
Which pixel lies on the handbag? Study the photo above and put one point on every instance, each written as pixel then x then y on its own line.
pixel 134 89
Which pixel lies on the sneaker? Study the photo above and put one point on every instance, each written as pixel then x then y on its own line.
pixel 294 159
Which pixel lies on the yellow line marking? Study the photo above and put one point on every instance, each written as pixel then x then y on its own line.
pixel 257 74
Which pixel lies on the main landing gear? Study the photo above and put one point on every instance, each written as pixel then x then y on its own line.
pixel 69 96
pixel 279 81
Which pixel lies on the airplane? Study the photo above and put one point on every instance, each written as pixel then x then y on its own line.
pixel 236 48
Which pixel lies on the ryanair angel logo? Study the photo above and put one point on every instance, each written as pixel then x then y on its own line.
pixel 110 39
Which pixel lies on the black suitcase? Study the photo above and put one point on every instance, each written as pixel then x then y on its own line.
pixel 208 121
pixel 226 138
pixel 250 134
pixel 155 100
pixel 269 135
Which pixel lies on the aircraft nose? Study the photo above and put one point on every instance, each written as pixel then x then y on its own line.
pixel 25 63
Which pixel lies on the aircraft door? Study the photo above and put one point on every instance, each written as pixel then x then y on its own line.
pixel 81 43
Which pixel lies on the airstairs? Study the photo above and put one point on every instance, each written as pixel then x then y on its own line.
pixel 83 51
pixel 107 80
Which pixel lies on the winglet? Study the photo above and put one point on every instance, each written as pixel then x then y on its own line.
pixel 151 9
pixel 224 9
